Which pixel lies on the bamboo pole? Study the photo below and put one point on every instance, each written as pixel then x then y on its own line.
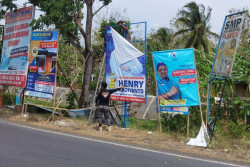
pixel 202 123
pixel 26 107
pixel 188 126
pixel 83 64
pixel 159 112
pixel 24 98
pixel 46 106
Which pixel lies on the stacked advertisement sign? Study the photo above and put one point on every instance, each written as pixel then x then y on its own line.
pixel 16 44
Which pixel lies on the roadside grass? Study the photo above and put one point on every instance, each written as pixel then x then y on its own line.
pixel 142 124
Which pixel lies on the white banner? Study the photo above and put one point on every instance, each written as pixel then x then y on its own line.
pixel 125 65
pixel 16 44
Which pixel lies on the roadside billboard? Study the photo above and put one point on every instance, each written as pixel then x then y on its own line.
pixel 16 44
pixel 42 64
pixel 125 65
pixel 176 79
pixel 228 45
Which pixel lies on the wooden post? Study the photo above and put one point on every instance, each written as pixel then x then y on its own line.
pixel 26 107
pixel 1 97
pixel 53 113
pixel 24 98
pixel 199 95
pixel 60 115
pixel 159 112
pixel 207 107
pixel 159 121
pixel 188 125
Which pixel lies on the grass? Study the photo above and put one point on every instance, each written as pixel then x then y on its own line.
pixel 141 124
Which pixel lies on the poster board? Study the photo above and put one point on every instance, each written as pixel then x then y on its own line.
pixel 125 65
pixel 176 79
pixel 16 44
pixel 42 64
pixel 228 44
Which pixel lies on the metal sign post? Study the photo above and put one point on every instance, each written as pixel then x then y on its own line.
pixel 222 65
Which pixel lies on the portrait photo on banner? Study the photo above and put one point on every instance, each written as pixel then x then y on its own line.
pixel 176 78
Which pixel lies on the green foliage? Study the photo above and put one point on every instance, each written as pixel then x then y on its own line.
pixel 230 129
pixel 141 124
pixel 178 123
pixel 9 99
pixel 6 5
pixel 241 68
pixel 92 85
pixel 70 63
pixel 71 100
pixel 193 27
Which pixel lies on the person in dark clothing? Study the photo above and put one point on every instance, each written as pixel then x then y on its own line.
pixel 102 102
pixel 124 30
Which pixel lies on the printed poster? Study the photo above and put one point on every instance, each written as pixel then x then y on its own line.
pixel 176 79
pixel 125 65
pixel 228 45
pixel 42 64
pixel 16 44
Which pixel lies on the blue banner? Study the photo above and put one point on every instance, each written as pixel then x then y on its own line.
pixel 176 78
pixel 42 64
pixel 125 65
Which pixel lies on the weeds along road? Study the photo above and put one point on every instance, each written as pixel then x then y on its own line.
pixel 24 146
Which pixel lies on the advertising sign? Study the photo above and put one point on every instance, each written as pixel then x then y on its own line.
pixel 176 79
pixel 16 43
pixel 175 110
pixel 228 45
pixel 42 64
pixel 125 65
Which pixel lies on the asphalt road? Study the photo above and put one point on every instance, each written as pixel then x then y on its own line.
pixel 23 146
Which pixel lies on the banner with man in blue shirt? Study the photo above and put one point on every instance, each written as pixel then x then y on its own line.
pixel 176 79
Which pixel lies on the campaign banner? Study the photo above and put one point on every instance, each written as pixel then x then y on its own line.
pixel 176 79
pixel 176 110
pixel 125 65
pixel 228 44
pixel 42 64
pixel 16 44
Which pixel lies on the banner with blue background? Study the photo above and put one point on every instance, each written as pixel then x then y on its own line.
pixel 42 64
pixel 176 79
pixel 125 65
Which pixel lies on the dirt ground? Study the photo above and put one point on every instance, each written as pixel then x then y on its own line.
pixel 155 140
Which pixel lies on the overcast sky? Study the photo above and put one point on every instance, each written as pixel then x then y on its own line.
pixel 158 13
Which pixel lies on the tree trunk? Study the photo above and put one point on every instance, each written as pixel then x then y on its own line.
pixel 83 102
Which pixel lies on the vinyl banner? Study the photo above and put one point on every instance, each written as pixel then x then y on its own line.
pixel 42 64
pixel 16 44
pixel 176 78
pixel 228 45
pixel 175 110
pixel 125 65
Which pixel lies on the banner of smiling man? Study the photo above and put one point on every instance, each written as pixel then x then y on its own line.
pixel 176 80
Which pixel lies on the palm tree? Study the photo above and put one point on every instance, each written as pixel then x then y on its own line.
pixel 194 28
